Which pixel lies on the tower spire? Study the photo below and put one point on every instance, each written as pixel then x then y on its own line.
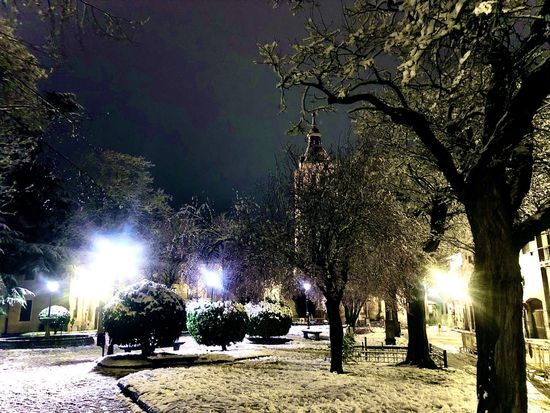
pixel 315 152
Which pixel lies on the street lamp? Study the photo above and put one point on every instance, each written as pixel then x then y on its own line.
pixel 306 287
pixel 112 260
pixel 212 279
pixel 52 287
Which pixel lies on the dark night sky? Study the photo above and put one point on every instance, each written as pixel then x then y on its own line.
pixel 187 95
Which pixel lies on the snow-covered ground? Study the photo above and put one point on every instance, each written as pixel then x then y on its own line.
pixel 295 378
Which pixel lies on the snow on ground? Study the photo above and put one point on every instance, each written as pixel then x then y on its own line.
pixel 298 380
pixel 295 378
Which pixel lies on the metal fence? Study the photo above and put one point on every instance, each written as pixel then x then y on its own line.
pixel 537 356
pixel 469 344
pixel 395 354
pixel 439 356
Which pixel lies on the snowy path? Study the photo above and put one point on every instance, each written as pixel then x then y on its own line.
pixel 57 380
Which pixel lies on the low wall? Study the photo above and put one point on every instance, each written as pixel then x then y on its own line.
pixel 68 340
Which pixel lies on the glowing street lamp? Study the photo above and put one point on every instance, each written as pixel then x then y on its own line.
pixel 52 287
pixel 306 286
pixel 112 260
pixel 212 279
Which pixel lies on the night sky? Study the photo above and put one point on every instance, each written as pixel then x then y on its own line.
pixel 186 94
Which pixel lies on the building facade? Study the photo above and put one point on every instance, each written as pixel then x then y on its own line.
pixel 449 304
pixel 535 268
pixel 24 319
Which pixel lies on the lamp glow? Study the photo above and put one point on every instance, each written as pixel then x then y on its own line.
pixel 212 278
pixel 449 284
pixel 52 286
pixel 306 287
pixel 112 260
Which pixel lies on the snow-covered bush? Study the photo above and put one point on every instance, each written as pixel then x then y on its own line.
pixel 268 319
pixel 145 314
pixel 59 317
pixel 217 323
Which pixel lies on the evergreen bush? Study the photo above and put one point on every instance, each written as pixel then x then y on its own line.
pixel 146 314
pixel 217 323
pixel 268 319
pixel 59 317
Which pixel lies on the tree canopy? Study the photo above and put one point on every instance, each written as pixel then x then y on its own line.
pixel 469 80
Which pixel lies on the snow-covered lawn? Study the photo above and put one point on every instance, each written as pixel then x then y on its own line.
pixel 298 380
pixel 294 377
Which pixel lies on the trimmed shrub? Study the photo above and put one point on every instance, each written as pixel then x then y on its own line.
pixel 217 323
pixel 146 314
pixel 268 319
pixel 59 317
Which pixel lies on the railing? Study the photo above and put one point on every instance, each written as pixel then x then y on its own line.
pixel 439 356
pixel 395 354
pixel 469 343
pixel 537 356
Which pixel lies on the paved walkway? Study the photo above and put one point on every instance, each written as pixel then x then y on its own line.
pixel 538 390
pixel 57 380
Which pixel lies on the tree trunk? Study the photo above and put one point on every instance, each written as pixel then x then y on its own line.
pixel 391 325
pixel 336 334
pixel 418 351
pixel 147 349
pixel 6 319
pixel 497 295
pixel 351 312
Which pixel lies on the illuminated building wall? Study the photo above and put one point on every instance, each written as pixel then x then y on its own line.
pixel 535 269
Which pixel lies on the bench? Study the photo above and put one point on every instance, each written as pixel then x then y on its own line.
pixel 307 333
pixel 177 345
pixel 127 349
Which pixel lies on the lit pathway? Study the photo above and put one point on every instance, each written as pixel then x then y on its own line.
pixel 57 380
pixel 538 391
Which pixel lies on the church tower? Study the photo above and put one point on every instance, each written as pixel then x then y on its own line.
pixel 315 152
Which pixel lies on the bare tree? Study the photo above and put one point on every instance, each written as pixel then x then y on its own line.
pixel 469 79
pixel 325 221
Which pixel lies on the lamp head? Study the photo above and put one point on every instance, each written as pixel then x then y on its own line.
pixel 212 278
pixel 52 286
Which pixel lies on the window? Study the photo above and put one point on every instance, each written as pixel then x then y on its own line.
pixel 25 314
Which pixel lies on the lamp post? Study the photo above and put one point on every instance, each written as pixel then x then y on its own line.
pixel 52 287
pixel 306 287
pixel 113 260
pixel 212 279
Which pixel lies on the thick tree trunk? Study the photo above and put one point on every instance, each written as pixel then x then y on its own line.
pixel 418 351
pixel 336 334
pixel 497 295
